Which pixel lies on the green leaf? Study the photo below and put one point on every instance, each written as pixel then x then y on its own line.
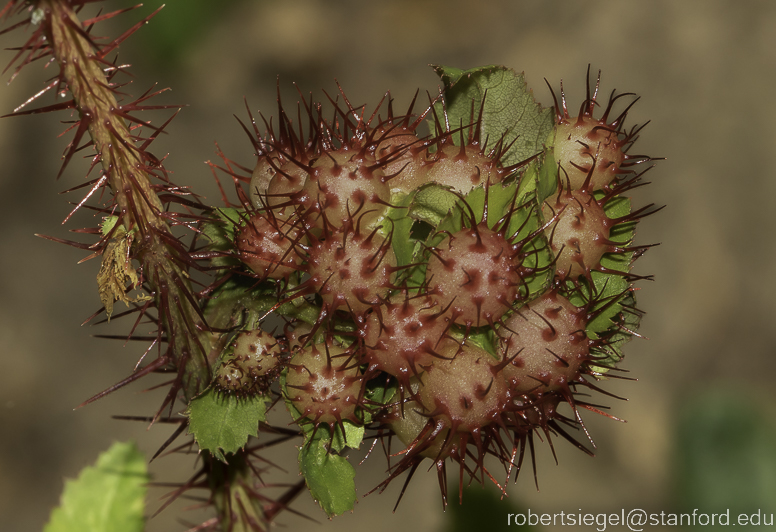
pixel 223 423
pixel 510 110
pixel 220 232
pixel 616 207
pixel 354 435
pixel 432 202
pixel 607 288
pixel 482 337
pixel 628 321
pixel 329 477
pixel 109 496
pixel 547 178
pixel 108 223
pixel 400 229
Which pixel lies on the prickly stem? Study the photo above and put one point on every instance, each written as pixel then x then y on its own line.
pixel 127 168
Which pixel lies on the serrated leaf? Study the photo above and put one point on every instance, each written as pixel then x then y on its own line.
pixel 510 110
pixel 223 423
pixel 330 477
pixel 353 436
pixel 107 224
pixel 109 496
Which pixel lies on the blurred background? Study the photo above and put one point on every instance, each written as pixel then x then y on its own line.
pixel 700 429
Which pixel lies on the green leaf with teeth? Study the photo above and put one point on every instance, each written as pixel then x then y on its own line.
pixel 509 110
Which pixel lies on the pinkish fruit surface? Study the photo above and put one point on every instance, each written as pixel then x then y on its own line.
pixel 253 365
pixel 346 189
pixel 584 144
pixel 323 383
pixel 267 246
pixel 546 343
pixel 404 335
pixel 474 271
pixel 350 270
pixel 463 389
pixel 462 167
pixel 580 234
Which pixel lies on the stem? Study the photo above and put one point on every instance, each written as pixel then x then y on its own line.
pixel 128 168
pixel 231 487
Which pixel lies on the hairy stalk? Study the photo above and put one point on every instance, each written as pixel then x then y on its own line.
pixel 232 488
pixel 128 168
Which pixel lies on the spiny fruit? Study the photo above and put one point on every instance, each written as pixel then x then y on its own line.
pixel 346 188
pixel 458 290
pixel 266 244
pixel 578 233
pixel 463 389
pixel 545 344
pixel 404 334
pixel 474 272
pixel 583 227
pixel 254 363
pixel 324 384
pixel 590 149
pixel 350 269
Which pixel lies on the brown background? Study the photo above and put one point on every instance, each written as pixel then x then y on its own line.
pixel 706 73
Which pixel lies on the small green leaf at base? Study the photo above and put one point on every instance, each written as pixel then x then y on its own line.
pixel 109 496
pixel 329 477
pixel 223 423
